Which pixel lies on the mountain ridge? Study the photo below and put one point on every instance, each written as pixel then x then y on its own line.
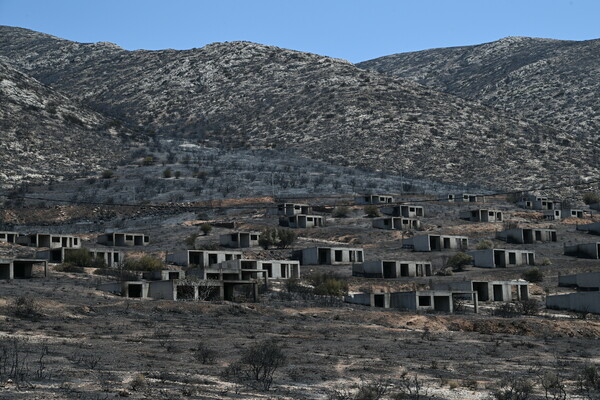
pixel 246 95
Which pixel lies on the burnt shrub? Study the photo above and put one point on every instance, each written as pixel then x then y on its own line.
pixel 257 365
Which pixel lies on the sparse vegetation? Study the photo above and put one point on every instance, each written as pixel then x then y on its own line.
pixel 206 228
pixel 277 237
pixel 484 245
pixel 257 365
pixel 144 263
pixel 591 198
pixel 371 211
pixel 341 212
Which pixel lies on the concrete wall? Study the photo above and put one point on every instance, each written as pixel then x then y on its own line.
pixel 584 250
pixel 202 258
pixel 482 215
pixel 293 209
pixel 580 302
pixel 404 210
pixel 435 242
pixel 120 239
pixel 8 237
pixel 586 280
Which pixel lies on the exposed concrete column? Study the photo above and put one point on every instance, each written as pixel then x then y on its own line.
pixel 476 303
pixel 255 291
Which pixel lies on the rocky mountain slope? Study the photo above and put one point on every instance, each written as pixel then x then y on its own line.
pixel 46 135
pixel 242 94
pixel 554 82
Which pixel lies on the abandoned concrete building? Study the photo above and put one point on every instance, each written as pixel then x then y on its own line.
pixel 289 209
pixel 465 198
pixel 533 202
pixel 164 275
pixel 420 300
pixel 593 228
pixel 586 281
pixel 482 215
pixel 112 258
pixel 404 210
pixel 586 300
pixel 490 290
pixel 583 250
pixel 392 269
pixel 501 258
pixel 8 237
pixel 527 235
pixel 552 215
pixel 573 213
pixel 329 255
pixel 191 289
pixel 21 268
pixel 201 258
pixel 49 240
pixel 246 269
pixel 373 199
pixel 432 242
pixel 121 239
pixel 396 223
pixel 240 239
pixel 132 289
pixel 302 221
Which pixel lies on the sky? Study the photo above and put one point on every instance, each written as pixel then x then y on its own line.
pixel 349 29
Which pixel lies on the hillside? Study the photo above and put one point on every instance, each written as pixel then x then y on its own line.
pixel 549 81
pixel 46 135
pixel 242 94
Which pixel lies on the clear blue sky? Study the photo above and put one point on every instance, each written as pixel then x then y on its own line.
pixel 349 29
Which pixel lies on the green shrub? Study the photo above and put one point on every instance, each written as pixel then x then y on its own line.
pixel 328 284
pixel 83 258
pixel 190 241
pixel 341 212
pixel 206 228
pixel 458 261
pixel 372 211
pixel 68 268
pixel 167 173
pixel 533 275
pixel 107 174
pixel 484 245
pixel 144 263
pixel 277 237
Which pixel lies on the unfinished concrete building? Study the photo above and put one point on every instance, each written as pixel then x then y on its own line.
pixel 433 242
pixel 289 209
pixel 533 202
pixel 573 213
pixel 130 289
pixel 112 258
pixel 397 223
pixel 373 199
pixel 8 237
pixel 122 239
pixel 420 300
pixel 490 290
pixel 191 289
pixel 51 241
pixel 329 255
pixel 404 210
pixel 302 221
pixel 552 215
pixel 583 250
pixel 593 228
pixel 164 275
pixel 201 258
pixel 246 269
pixel 482 215
pixel 502 258
pixel 465 198
pixel 240 239
pixel 21 268
pixel 392 269
pixel 527 235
